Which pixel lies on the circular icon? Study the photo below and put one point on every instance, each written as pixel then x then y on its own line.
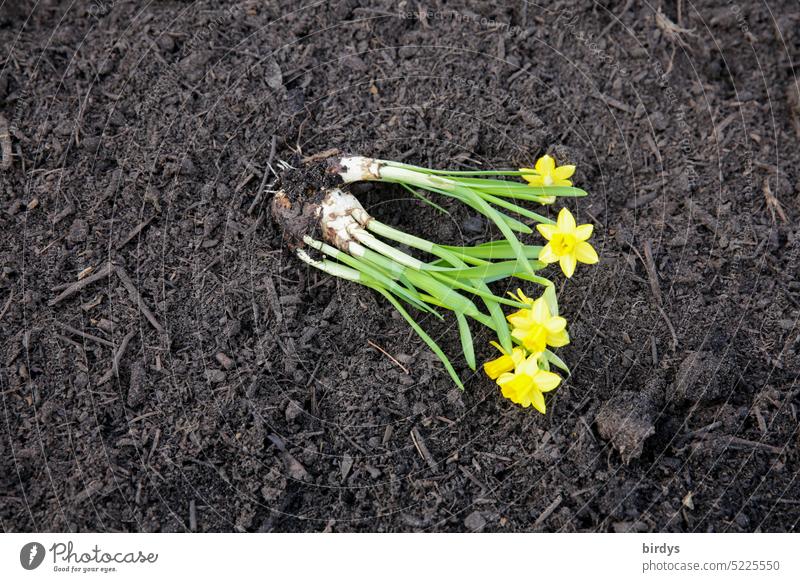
pixel 31 555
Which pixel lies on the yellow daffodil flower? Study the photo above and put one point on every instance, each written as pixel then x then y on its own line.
pixel 528 383
pixel 567 243
pixel 504 363
pixel 536 327
pixel 545 173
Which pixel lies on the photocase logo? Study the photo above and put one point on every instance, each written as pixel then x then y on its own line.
pixel 31 555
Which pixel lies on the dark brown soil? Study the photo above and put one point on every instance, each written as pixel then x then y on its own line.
pixel 201 378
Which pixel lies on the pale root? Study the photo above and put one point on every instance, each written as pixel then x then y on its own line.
pixel 340 214
pixel 358 168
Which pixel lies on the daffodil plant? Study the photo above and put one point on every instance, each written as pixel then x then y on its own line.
pixel 355 246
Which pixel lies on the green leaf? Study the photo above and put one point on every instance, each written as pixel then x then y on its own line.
pixel 489 272
pixel 466 340
pixel 498 317
pixel 516 208
pixel 375 273
pixel 496 250
pixel 519 190
pixel 500 325
pixel 556 361
pixel 423 199
pixel 534 279
pixel 448 173
pixel 423 336
pixel 495 217
pixel 512 223
pixel 447 295
pixel 550 299
pixel 487 294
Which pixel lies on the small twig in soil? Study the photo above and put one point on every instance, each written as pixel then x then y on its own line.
pixel 773 203
pixel 7 305
pixel 154 446
pixel 263 185
pixel 616 103
pixel 548 511
pixel 71 342
pixel 656 289
pixel 295 469
pixel 615 19
pixel 654 350
pixel 193 515
pixel 734 442
pixel 762 425
pixel 78 285
pixel 312 384
pixel 422 449
pixel 84 335
pixel 705 429
pixel 272 299
pixel 672 31
pixel 670 327
pixel 143 416
pixel 137 299
pixel 114 371
pixel 5 144
pixel 352 442
pixel 652 275
pixel 469 475
pixel 388 355
pixel 329 153
pixel 132 234
pixel 85 273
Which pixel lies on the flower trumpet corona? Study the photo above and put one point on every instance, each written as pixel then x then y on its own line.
pixel 331 231
pixel 567 243
pixel 505 363
pixel 536 327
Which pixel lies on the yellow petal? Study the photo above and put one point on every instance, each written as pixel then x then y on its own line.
pixel 545 164
pixel 546 255
pixel 563 172
pixel 584 231
pixel 522 297
pixel 546 381
pixel 518 355
pixel 499 366
pixel 504 379
pixel 585 253
pixel 533 179
pixel 546 230
pixel 520 319
pixel 561 183
pixel 530 367
pixel 539 310
pixel 537 399
pixel 565 222
pixel 534 339
pixel 558 339
pixel 555 324
pixel 568 263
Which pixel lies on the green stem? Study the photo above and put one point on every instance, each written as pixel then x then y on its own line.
pixel 498 317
